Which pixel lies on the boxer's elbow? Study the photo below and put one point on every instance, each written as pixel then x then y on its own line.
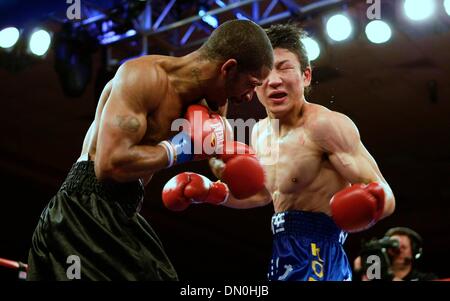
pixel 106 169
pixel 103 169
pixel 389 207
pixel 389 200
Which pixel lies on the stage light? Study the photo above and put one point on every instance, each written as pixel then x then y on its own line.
pixel 378 32
pixel 447 6
pixel 241 16
pixel 312 48
pixel 9 37
pixel 339 27
pixel 418 10
pixel 211 20
pixel 39 42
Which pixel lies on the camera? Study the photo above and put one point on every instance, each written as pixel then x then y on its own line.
pixel 385 242
pixel 378 247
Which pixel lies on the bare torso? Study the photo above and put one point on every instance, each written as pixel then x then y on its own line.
pixel 302 178
pixel 166 109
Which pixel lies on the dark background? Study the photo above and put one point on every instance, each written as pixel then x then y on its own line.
pixel 385 89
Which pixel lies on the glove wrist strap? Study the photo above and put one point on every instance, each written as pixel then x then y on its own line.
pixel 170 152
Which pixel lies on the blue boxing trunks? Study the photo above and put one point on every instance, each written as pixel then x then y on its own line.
pixel 307 246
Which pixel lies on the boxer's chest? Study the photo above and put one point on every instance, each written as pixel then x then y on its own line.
pixel 293 163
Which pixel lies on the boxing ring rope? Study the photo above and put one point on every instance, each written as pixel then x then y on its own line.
pixel 23 267
pixel 17 265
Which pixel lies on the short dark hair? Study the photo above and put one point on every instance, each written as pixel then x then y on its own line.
pixel 242 40
pixel 289 36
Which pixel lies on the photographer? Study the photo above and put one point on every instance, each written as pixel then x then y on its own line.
pixel 398 252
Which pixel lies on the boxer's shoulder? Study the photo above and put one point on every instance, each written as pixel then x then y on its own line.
pixel 260 127
pixel 149 60
pixel 144 70
pixel 143 80
pixel 263 122
pixel 321 120
pixel 328 126
pixel 259 130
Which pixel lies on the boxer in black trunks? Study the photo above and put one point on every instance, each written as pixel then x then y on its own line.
pixel 93 218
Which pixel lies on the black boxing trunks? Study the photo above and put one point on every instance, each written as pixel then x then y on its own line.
pixel 92 230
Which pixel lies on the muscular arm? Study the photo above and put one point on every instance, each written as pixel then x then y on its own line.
pixel 338 136
pixel 122 126
pixel 260 199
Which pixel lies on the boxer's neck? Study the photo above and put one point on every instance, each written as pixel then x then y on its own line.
pixel 291 119
pixel 190 76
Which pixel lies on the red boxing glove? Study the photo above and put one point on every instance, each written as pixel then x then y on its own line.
pixel 188 187
pixel 243 173
pixel 358 207
pixel 202 137
pixel 207 131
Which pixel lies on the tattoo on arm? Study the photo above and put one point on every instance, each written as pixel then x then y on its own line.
pixel 127 123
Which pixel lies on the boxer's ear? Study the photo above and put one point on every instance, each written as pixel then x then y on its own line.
pixel 229 68
pixel 307 76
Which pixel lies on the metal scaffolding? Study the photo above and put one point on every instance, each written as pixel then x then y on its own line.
pixel 167 20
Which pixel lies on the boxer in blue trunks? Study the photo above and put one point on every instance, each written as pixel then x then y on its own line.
pixel 322 181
